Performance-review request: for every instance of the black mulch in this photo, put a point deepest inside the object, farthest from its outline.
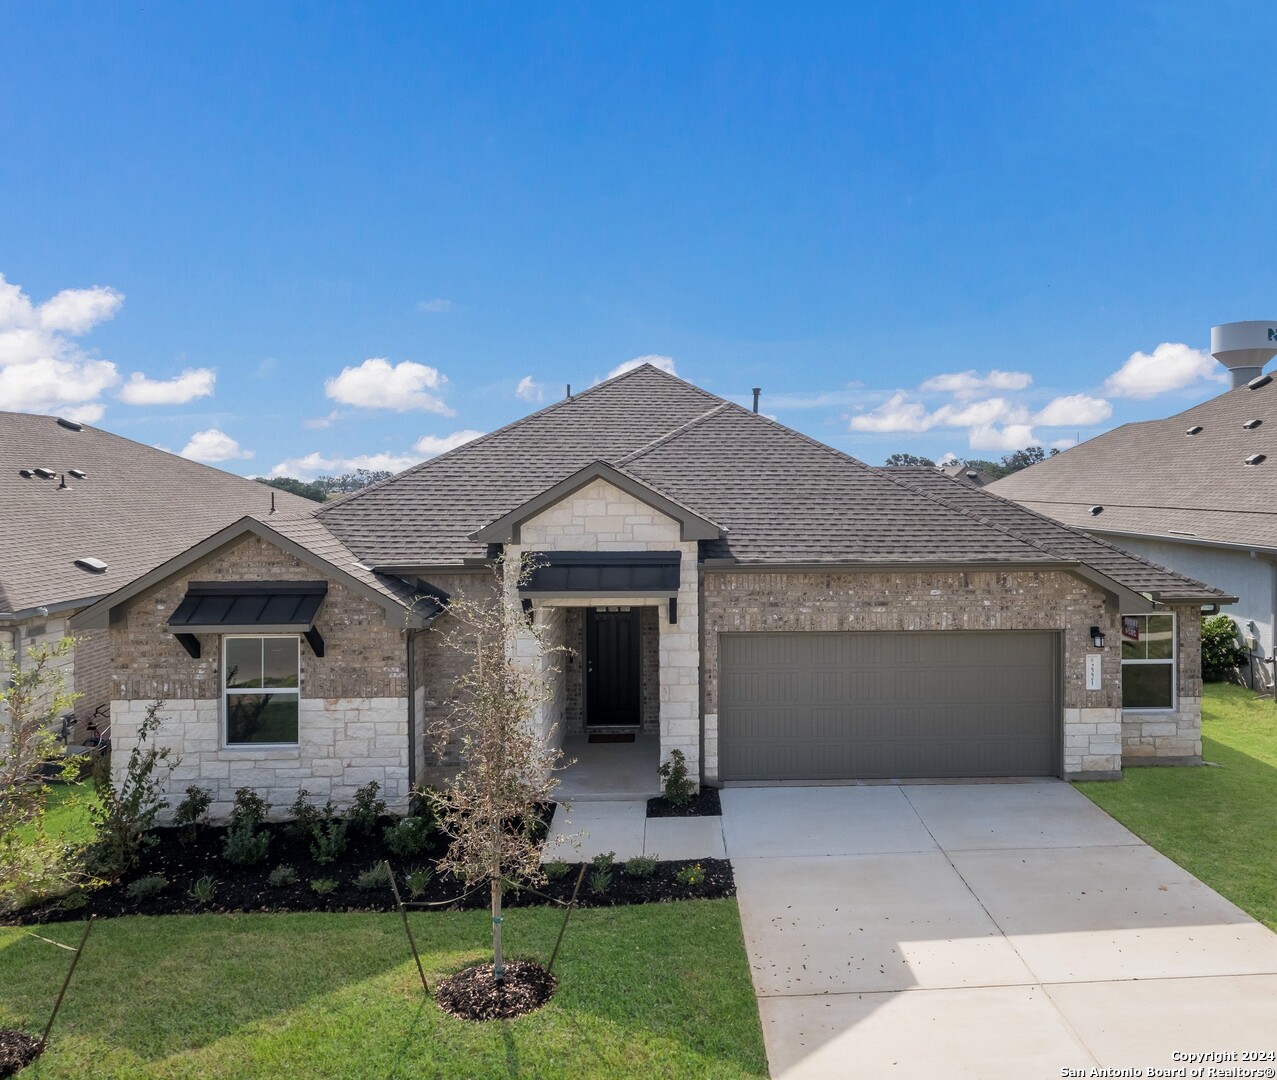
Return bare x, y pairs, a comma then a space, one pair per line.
474, 994
17, 1050
245, 888
706, 804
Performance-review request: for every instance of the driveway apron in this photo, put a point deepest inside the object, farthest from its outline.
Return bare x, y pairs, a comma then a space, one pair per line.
984, 930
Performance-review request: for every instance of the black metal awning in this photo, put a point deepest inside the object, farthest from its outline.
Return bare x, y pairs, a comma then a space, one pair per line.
248, 607
601, 573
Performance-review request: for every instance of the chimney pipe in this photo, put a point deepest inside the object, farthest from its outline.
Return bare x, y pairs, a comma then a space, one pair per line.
569, 390
757, 390
1244, 348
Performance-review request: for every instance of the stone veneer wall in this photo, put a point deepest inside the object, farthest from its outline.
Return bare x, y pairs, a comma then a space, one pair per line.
1173, 737
931, 600
353, 713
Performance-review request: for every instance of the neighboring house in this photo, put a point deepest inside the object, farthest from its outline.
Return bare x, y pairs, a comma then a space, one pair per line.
1196, 492
767, 605
83, 512
957, 470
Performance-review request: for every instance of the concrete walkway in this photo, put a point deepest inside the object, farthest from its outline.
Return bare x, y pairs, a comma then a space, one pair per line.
983, 930
624, 828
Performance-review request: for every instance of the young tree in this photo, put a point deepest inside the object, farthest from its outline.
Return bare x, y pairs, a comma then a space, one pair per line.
33, 698
489, 808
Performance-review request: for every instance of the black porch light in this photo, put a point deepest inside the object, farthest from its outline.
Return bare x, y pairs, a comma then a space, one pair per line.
1097, 637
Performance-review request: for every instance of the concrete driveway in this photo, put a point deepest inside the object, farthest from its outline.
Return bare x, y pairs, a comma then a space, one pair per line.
984, 930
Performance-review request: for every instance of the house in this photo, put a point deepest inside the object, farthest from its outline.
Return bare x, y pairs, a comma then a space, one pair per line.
957, 470
83, 512
1196, 492
726, 586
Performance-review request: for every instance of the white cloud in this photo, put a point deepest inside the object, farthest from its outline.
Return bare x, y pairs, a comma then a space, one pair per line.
437, 306
966, 384
529, 389
41, 368
191, 384
316, 464
897, 413
375, 384
900, 413
213, 445
432, 445
85, 414
947, 458
978, 413
322, 422
1075, 410
1171, 366
992, 437
665, 363
1063, 444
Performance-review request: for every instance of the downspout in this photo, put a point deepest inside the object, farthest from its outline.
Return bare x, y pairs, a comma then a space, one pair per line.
412, 706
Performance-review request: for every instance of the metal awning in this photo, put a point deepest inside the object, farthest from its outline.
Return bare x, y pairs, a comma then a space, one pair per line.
248, 607
601, 573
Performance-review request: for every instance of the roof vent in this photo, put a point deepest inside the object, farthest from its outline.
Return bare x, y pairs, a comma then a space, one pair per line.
70, 425
1194, 430
1096, 511
26, 474
94, 566
1250, 425
79, 474
1262, 380
45, 474
1255, 459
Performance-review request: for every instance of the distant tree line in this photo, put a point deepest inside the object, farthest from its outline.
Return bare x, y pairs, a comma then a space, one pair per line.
994, 470
323, 488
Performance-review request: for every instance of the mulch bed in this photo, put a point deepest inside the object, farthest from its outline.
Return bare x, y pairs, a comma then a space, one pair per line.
706, 804
474, 994
17, 1050
245, 888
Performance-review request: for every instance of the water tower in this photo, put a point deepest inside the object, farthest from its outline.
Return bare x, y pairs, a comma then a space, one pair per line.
1244, 348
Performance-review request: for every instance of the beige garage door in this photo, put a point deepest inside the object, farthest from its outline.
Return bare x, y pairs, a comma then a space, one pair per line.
817, 706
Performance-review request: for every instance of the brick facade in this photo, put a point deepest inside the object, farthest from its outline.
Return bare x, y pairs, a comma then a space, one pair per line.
1175, 737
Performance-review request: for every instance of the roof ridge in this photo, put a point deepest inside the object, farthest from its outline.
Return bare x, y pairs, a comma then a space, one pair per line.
672, 434
553, 406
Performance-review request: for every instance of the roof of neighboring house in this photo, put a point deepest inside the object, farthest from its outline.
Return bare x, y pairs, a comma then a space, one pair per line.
778, 496
1154, 479
135, 507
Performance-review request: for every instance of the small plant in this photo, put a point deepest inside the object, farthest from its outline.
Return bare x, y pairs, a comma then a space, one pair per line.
193, 810
305, 817
75, 900
376, 876
245, 845
641, 866
282, 877
679, 787
556, 869
367, 808
691, 875
323, 886
328, 837
603, 860
146, 887
1222, 653
422, 803
418, 879
407, 837
600, 881
249, 809
203, 891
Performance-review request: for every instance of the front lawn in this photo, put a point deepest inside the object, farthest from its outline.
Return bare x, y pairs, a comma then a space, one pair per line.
1220, 824
647, 990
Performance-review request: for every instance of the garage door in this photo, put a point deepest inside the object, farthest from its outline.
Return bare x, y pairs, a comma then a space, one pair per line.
816, 706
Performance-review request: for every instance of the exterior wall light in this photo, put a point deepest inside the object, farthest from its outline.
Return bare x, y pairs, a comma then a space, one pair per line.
1097, 637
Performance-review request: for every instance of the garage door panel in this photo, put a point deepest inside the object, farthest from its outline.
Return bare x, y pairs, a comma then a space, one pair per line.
827, 706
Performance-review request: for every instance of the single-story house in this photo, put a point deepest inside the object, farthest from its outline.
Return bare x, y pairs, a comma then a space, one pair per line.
1196, 492
769, 606
83, 512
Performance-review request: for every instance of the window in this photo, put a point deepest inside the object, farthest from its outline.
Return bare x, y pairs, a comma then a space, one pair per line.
261, 677
1148, 661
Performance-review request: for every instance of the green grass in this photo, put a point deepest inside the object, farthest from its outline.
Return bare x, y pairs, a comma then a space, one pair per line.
1219, 824
657, 990
67, 812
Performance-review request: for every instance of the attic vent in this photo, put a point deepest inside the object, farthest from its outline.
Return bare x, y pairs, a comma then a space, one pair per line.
45, 474
1096, 510
1255, 459
94, 566
1194, 430
1250, 425
79, 474
70, 425
1256, 383
26, 474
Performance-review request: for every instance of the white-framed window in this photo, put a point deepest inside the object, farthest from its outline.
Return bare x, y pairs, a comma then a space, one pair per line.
261, 684
1148, 662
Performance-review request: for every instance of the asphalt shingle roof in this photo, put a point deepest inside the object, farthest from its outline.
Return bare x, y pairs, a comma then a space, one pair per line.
136, 507
1154, 479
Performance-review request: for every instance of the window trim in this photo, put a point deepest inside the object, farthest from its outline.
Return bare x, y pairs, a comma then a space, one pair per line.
295, 691
1173, 661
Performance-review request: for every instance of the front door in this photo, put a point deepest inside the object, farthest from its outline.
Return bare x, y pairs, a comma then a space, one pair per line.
612, 661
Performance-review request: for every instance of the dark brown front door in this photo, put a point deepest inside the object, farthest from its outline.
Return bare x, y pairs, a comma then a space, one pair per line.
612, 668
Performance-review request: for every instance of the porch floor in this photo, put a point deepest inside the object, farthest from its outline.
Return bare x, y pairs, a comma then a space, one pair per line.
610, 771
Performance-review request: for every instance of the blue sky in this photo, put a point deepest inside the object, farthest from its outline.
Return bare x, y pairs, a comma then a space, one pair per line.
332, 235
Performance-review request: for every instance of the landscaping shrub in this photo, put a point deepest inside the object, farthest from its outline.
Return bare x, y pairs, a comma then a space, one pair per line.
604, 860
417, 879
691, 875
249, 809
323, 886
245, 845
146, 887
556, 869
367, 808
600, 881
407, 837
328, 837
282, 876
1222, 652
679, 788
376, 876
306, 818
193, 810
641, 866
203, 891
75, 900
